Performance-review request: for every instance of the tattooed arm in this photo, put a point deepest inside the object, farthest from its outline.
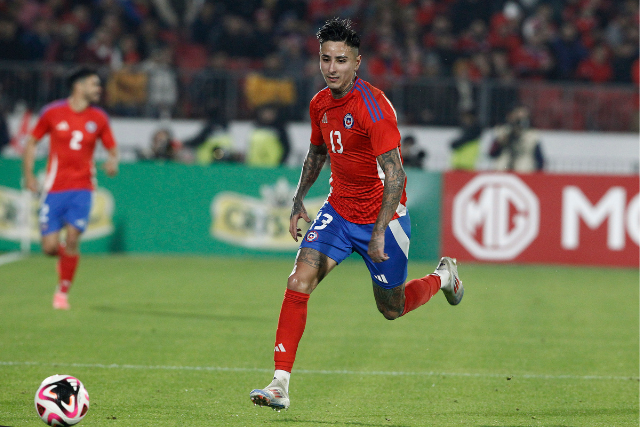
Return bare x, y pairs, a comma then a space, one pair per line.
393, 184
313, 163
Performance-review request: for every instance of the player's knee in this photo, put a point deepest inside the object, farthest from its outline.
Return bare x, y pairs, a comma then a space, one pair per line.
299, 284
50, 250
71, 247
389, 313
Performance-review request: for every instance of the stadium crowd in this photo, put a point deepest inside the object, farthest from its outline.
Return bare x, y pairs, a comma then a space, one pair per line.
584, 40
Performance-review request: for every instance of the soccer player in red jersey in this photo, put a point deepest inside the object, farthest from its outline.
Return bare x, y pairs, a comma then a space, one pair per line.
74, 125
355, 124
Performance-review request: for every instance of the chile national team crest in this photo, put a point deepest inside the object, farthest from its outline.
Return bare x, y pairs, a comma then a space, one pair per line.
311, 236
91, 126
348, 121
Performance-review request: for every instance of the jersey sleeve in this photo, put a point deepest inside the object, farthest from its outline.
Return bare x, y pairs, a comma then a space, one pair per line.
42, 126
316, 133
384, 133
106, 136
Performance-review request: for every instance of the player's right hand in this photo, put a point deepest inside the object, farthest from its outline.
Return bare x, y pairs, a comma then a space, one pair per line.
297, 212
31, 183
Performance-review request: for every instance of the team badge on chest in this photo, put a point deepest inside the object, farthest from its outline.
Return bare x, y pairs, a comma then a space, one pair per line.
91, 126
348, 121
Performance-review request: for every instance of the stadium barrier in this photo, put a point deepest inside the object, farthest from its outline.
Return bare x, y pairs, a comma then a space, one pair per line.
421, 101
220, 209
542, 218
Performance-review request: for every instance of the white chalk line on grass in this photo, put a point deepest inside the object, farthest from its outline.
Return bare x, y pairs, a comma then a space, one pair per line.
324, 372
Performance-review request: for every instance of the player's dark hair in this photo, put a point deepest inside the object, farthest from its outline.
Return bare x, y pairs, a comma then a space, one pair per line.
79, 74
339, 30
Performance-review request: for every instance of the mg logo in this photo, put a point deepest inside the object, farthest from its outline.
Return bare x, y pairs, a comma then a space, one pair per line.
496, 216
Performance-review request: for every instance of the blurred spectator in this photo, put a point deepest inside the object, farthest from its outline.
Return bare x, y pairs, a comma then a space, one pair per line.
625, 53
5, 137
11, 48
163, 146
268, 142
466, 147
217, 147
236, 39
208, 90
126, 52
149, 37
385, 67
80, 17
474, 38
126, 91
412, 155
568, 51
464, 12
67, 46
206, 25
177, 14
516, 146
163, 84
36, 41
635, 78
213, 143
263, 44
291, 46
270, 86
504, 28
540, 24
442, 42
532, 59
596, 68
101, 48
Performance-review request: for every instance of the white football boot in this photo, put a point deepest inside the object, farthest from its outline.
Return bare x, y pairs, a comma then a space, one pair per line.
274, 396
453, 289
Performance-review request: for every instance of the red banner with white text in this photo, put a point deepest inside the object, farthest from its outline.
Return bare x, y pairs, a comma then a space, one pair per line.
541, 218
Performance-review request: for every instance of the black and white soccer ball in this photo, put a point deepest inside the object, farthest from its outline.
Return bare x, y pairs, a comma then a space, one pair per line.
62, 400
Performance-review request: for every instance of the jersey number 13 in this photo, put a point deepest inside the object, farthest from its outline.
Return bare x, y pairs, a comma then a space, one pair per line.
338, 141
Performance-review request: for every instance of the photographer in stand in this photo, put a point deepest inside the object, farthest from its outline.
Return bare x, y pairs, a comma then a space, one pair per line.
516, 146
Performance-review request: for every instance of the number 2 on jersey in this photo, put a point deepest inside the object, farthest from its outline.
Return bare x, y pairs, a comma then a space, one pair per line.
338, 141
76, 138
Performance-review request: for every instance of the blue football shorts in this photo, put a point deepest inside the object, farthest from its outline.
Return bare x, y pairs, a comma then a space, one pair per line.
65, 207
338, 238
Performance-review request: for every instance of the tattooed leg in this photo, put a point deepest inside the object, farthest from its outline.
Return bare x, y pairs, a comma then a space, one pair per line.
390, 302
310, 268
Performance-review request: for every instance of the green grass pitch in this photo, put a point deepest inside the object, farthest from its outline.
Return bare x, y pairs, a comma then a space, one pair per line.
180, 341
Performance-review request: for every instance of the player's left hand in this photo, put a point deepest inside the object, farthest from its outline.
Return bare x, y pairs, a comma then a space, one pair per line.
111, 167
376, 249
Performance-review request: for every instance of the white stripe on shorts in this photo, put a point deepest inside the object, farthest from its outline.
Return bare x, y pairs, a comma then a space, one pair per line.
401, 236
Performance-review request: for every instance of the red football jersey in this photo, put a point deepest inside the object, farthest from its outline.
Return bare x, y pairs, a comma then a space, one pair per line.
73, 138
356, 129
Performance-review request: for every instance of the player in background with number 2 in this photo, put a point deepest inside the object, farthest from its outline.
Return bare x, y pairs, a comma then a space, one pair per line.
74, 124
356, 125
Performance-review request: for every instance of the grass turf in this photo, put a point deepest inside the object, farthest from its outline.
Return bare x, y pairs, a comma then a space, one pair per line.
173, 341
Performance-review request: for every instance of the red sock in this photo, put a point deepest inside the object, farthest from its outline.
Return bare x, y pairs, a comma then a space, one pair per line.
419, 291
293, 318
67, 265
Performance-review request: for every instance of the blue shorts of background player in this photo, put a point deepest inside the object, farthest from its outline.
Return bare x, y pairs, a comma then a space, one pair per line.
65, 207
338, 238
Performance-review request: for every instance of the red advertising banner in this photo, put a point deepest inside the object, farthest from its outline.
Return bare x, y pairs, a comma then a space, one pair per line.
541, 218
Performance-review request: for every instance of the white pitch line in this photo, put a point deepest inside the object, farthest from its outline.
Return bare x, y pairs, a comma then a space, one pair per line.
10, 257
325, 372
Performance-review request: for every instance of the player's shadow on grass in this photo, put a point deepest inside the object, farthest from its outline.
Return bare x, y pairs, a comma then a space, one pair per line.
156, 312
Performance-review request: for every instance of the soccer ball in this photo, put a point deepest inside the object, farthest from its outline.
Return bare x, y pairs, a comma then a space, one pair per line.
62, 400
